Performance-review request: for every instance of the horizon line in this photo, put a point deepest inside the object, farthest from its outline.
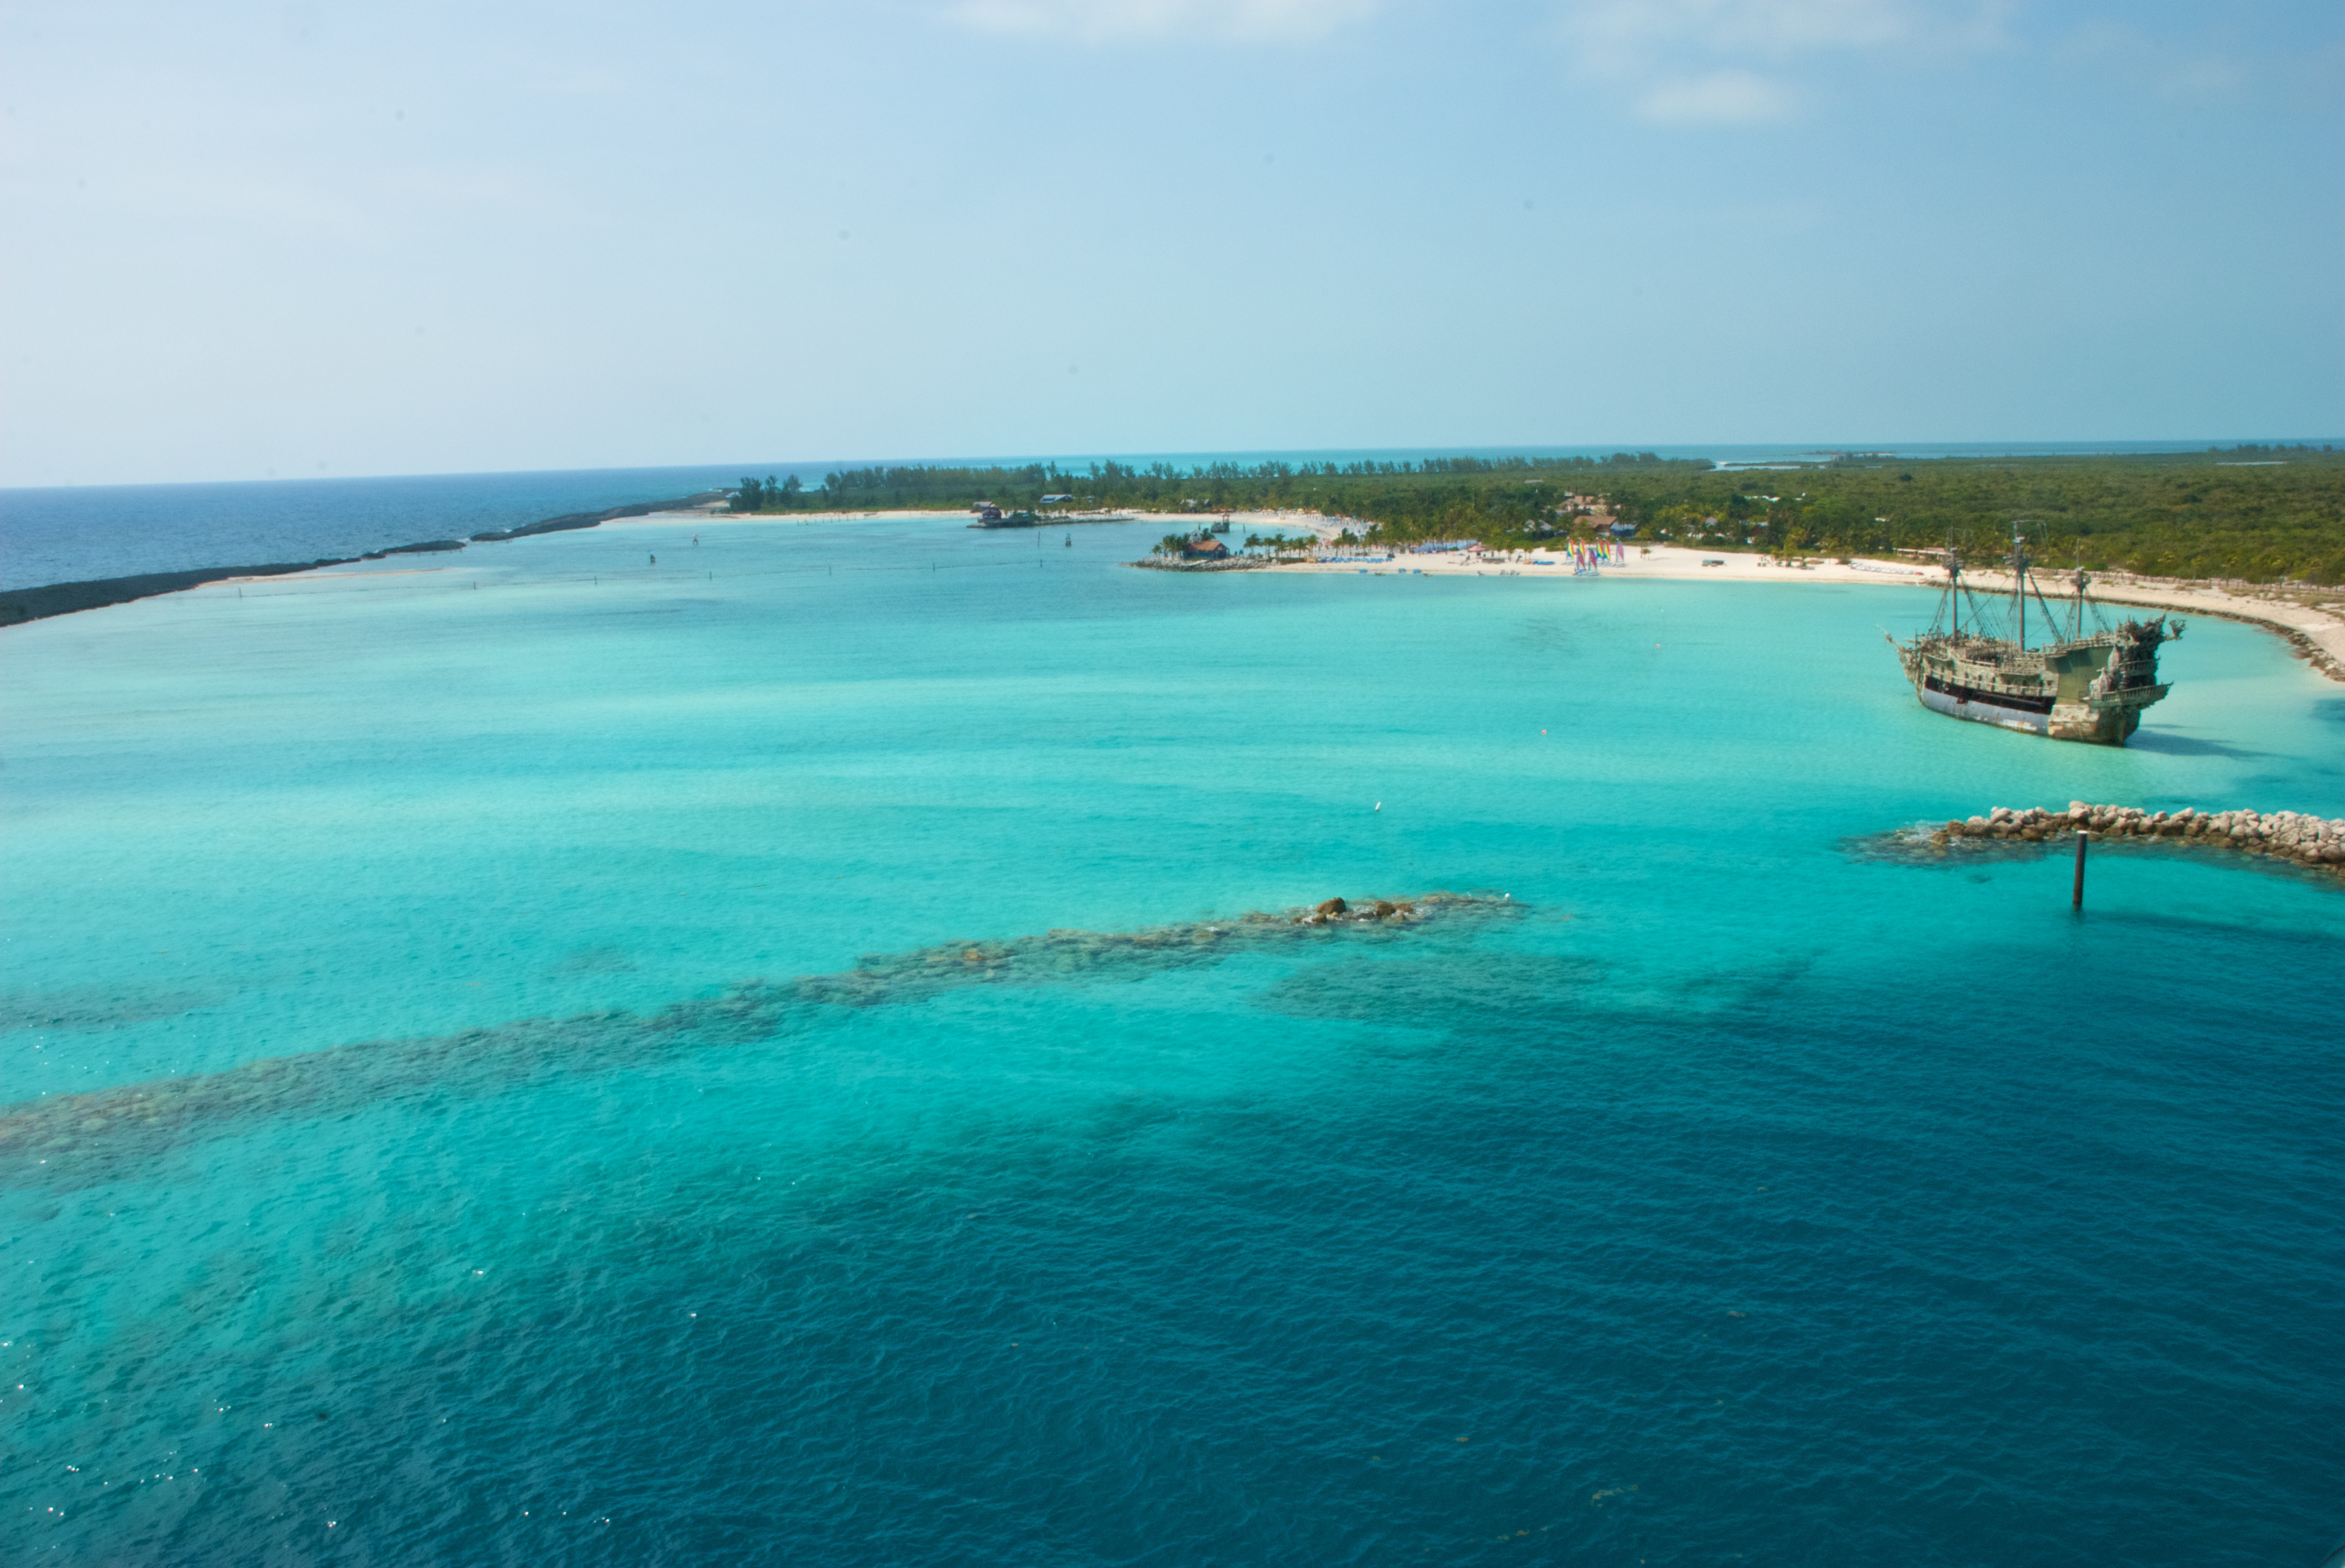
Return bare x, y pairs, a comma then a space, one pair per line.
2111, 446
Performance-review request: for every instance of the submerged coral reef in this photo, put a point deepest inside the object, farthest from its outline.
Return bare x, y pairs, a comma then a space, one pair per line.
82, 1135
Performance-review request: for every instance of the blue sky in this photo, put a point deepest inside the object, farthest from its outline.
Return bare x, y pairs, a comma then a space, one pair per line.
306, 237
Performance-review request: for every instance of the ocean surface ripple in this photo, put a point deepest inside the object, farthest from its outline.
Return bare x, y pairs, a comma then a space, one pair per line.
1717, 1187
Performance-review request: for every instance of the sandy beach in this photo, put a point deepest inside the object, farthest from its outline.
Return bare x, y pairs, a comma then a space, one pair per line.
2312, 620
2301, 614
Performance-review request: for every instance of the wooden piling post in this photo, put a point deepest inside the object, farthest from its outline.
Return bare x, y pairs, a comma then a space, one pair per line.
2076, 900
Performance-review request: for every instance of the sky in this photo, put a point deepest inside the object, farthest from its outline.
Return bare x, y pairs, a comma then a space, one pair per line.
307, 236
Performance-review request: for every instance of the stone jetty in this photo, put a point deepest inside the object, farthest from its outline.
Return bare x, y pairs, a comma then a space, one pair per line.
1228, 564
2291, 836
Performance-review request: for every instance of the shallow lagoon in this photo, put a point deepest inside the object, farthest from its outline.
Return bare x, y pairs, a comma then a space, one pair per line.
1745, 1193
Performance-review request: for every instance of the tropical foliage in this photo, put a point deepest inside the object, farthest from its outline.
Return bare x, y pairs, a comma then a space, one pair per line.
767, 495
2241, 512
2253, 512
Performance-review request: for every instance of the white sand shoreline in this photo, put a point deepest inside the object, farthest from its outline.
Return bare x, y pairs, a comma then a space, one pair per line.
2318, 634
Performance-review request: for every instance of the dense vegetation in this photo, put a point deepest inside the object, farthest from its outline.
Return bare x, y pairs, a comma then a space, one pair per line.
2259, 513
1481, 496
2244, 512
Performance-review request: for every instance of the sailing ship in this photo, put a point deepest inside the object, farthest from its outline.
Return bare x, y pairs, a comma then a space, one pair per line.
2087, 683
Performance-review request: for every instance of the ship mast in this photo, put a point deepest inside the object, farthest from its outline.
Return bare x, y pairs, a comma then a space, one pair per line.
2019, 582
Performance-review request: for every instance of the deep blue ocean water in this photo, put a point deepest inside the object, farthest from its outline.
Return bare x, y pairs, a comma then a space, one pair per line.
82, 533
1737, 1194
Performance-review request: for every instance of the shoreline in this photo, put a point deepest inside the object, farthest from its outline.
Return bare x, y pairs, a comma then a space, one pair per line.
20, 606
2314, 633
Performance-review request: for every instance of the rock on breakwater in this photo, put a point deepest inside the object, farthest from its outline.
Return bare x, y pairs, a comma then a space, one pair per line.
2299, 837
887, 977
1232, 563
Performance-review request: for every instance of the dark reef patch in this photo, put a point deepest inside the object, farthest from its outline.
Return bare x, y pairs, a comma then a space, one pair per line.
1497, 989
89, 1008
81, 1138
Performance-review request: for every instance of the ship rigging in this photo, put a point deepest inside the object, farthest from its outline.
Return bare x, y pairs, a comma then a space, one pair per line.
2089, 684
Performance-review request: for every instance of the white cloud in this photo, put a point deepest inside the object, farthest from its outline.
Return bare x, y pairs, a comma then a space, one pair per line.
1716, 98
1727, 62
1101, 21
1628, 33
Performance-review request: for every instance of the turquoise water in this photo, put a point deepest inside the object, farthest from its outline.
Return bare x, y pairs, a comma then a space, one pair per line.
76, 532
1739, 1191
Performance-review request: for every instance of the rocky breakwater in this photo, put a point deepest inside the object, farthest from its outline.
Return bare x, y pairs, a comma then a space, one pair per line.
2290, 836
1228, 564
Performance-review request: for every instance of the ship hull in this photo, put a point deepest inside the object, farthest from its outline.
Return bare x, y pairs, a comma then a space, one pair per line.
2106, 726
1979, 710
2090, 687
2068, 691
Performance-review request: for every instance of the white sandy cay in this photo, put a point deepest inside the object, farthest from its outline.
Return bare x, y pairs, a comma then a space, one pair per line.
2317, 616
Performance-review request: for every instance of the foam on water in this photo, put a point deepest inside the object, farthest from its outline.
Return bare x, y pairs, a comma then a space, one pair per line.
1746, 1193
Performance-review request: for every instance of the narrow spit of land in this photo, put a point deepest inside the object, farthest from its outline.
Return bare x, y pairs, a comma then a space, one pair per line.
18, 605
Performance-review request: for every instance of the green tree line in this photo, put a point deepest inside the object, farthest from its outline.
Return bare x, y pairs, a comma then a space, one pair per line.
2228, 513
1509, 492
2255, 512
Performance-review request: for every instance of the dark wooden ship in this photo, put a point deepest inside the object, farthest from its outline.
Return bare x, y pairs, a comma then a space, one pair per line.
2085, 679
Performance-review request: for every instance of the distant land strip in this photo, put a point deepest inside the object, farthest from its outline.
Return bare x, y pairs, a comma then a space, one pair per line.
22, 604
